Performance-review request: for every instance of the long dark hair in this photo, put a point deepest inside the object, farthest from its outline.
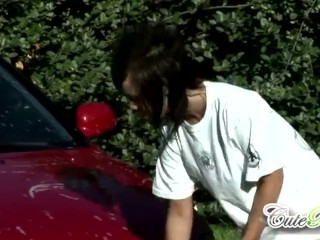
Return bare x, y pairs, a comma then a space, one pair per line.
155, 56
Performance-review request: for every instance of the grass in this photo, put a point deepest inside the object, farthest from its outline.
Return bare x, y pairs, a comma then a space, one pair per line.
223, 232
222, 226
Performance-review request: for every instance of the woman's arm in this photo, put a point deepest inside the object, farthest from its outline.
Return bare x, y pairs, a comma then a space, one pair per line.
179, 219
268, 191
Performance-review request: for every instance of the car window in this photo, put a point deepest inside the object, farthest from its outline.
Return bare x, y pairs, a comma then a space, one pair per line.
23, 119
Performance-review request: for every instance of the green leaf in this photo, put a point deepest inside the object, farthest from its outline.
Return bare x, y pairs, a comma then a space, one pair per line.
219, 16
265, 57
207, 54
225, 63
264, 22
293, 16
258, 79
217, 68
164, 11
212, 22
199, 59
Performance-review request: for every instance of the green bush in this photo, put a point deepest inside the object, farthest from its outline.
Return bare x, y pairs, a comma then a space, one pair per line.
270, 46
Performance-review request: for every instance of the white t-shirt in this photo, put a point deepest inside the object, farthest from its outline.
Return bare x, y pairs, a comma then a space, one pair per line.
239, 139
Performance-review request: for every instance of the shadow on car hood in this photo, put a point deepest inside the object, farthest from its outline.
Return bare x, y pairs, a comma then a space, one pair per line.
77, 194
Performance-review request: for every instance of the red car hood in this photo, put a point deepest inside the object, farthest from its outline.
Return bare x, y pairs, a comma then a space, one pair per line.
79, 194
76, 194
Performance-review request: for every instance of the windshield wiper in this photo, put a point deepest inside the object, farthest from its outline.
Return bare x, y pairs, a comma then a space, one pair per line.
27, 146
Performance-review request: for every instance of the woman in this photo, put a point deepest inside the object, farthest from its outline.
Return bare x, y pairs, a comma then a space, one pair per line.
222, 136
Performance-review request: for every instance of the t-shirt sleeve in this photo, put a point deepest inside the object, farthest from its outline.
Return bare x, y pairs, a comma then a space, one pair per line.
262, 134
172, 180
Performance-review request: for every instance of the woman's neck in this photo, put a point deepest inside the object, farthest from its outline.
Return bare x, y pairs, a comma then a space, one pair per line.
196, 104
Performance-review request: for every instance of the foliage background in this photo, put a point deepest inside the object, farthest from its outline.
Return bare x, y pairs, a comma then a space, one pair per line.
270, 46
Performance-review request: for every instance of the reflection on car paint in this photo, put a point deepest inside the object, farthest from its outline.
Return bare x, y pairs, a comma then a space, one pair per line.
48, 214
69, 197
44, 187
20, 230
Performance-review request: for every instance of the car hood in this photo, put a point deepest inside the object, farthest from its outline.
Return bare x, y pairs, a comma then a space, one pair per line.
75, 194
79, 194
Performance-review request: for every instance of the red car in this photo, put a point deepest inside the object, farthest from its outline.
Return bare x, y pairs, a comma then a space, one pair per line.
56, 185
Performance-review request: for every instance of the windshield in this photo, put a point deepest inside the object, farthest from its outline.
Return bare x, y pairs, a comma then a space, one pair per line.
24, 121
